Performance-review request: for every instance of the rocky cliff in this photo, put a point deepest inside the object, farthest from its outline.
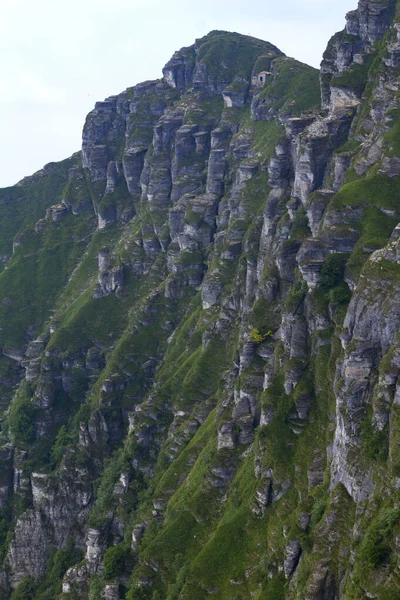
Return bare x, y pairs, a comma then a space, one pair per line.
199, 334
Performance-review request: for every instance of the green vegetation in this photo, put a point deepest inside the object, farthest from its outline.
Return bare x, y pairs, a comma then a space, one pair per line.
332, 271
266, 136
375, 546
300, 228
293, 89
375, 441
26, 590
22, 206
22, 414
375, 198
213, 450
148, 108
259, 337
61, 442
354, 78
392, 137
377, 190
295, 296
350, 147
36, 273
114, 560
263, 63
64, 558
230, 54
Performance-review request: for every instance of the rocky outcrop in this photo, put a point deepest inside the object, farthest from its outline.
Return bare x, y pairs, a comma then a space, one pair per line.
211, 407
292, 557
22, 559
110, 279
365, 26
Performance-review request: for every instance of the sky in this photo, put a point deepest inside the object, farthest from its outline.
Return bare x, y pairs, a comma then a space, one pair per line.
58, 58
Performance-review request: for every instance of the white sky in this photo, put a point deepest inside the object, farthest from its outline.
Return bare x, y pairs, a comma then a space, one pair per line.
59, 58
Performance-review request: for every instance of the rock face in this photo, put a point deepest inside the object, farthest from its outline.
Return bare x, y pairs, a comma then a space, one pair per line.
199, 333
351, 48
29, 527
110, 279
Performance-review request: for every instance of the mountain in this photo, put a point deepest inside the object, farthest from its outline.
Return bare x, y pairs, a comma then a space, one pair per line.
199, 337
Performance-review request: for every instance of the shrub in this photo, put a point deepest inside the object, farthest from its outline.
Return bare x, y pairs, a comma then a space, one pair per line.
274, 589
114, 560
295, 296
340, 294
62, 440
96, 587
26, 590
259, 337
317, 511
4, 525
300, 228
332, 271
375, 442
64, 559
137, 592
21, 421
375, 546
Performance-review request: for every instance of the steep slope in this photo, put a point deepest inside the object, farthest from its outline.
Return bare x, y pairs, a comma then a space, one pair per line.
200, 312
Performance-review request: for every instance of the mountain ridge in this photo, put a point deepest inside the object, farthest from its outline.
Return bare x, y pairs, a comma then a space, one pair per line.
199, 334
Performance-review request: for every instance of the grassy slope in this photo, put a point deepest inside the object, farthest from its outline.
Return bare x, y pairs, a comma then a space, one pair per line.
210, 540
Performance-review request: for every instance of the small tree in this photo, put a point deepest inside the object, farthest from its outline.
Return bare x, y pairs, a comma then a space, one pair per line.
114, 560
258, 337
26, 590
21, 421
332, 271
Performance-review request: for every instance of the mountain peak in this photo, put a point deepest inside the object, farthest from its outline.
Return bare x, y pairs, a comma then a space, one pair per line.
214, 60
200, 319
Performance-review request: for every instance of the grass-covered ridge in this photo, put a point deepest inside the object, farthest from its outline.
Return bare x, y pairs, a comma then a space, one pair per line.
293, 87
231, 54
187, 369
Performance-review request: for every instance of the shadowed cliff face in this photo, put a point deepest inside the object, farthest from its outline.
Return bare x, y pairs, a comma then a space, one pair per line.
199, 333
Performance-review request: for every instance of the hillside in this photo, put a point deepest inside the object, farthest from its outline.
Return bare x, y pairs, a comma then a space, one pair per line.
199, 333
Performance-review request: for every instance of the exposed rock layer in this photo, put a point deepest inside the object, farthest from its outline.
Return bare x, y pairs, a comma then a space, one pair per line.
212, 405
